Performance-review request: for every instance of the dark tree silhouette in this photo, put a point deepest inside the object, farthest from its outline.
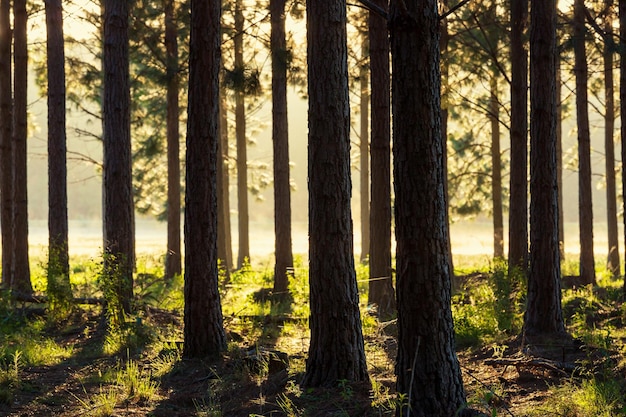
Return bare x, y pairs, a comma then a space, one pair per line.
543, 307
336, 351
204, 331
119, 240
425, 326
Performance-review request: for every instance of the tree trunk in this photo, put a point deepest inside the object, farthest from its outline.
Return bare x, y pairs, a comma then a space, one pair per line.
118, 197
204, 332
496, 166
543, 306
21, 271
173, 257
242, 157
585, 209
58, 233
622, 111
364, 147
518, 203
427, 368
336, 350
6, 142
559, 156
381, 292
224, 245
613, 262
280, 141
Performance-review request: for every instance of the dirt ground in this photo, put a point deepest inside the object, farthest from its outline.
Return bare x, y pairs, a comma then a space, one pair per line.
511, 378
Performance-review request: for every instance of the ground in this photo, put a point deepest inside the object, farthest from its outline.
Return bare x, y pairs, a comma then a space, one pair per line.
255, 381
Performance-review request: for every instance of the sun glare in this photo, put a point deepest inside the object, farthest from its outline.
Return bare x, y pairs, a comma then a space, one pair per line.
564, 5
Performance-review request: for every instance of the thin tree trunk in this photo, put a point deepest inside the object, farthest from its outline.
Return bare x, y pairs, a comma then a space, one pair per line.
585, 208
58, 229
364, 147
559, 156
224, 245
496, 166
622, 111
242, 156
21, 271
280, 141
6, 142
173, 259
518, 205
381, 291
613, 262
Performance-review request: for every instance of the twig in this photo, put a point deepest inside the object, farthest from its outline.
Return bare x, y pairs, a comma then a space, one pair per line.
454, 9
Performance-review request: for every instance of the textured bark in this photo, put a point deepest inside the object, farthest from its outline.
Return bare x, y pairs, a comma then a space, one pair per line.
585, 208
613, 262
381, 291
427, 367
496, 167
21, 267
518, 198
336, 351
204, 332
622, 110
58, 255
6, 133
280, 141
224, 245
559, 156
364, 152
242, 154
118, 198
543, 307
173, 257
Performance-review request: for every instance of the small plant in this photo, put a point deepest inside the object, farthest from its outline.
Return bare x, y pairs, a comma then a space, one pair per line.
137, 385
287, 406
58, 289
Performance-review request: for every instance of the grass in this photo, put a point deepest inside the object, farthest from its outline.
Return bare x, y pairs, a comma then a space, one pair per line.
139, 366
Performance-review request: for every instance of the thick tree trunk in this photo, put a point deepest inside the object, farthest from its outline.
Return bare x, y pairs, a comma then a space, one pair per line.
496, 167
613, 262
21, 271
336, 351
518, 203
118, 197
543, 307
280, 141
381, 292
204, 331
427, 368
58, 230
242, 154
6, 142
173, 259
585, 208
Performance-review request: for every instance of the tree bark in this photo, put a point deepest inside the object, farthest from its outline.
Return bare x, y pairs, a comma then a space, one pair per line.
336, 350
204, 332
622, 111
543, 307
364, 150
242, 155
613, 262
427, 366
518, 203
496, 167
280, 140
118, 197
585, 208
58, 229
21, 266
173, 260
6, 143
381, 291
559, 156
224, 245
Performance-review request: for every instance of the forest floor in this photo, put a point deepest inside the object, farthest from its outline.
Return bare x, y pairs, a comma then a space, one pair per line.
260, 372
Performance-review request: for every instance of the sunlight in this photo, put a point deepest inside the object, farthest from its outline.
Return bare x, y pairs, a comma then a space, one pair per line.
565, 5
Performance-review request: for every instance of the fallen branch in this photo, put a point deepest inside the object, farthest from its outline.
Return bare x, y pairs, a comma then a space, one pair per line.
42, 299
563, 367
